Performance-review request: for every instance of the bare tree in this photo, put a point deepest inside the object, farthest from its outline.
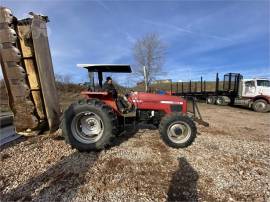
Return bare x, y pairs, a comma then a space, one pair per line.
149, 54
66, 79
63, 82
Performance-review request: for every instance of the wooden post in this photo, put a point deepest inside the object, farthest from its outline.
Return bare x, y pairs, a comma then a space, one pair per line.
182, 87
217, 83
45, 71
230, 80
31, 69
201, 84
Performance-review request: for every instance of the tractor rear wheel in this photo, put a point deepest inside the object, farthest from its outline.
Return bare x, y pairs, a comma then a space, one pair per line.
177, 131
89, 125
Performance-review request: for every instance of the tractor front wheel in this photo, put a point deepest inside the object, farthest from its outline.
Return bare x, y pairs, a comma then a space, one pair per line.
177, 131
89, 125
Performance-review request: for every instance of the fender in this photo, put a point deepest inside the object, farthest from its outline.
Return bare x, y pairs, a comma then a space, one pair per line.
264, 97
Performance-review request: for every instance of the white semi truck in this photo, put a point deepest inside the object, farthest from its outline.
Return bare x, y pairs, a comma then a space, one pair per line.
253, 93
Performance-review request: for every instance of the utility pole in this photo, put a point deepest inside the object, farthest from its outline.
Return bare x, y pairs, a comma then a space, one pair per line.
145, 78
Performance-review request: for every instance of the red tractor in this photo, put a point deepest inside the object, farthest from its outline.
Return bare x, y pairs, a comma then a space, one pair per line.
93, 122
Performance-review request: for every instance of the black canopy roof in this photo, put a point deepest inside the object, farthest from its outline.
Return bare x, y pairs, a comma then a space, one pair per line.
118, 68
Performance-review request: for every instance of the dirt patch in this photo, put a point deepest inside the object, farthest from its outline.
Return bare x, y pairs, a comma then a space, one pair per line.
228, 161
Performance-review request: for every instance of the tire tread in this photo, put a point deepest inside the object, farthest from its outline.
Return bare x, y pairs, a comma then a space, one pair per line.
101, 106
165, 122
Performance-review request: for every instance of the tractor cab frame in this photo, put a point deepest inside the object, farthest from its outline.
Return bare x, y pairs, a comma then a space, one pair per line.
100, 69
99, 93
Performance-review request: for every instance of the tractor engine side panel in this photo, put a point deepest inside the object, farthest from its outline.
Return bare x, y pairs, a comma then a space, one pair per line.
166, 103
150, 116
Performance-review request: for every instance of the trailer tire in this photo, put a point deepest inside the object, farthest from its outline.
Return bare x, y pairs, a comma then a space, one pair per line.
221, 101
260, 106
85, 118
177, 131
210, 100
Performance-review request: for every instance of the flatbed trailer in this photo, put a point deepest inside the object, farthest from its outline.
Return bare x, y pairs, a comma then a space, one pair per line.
253, 93
230, 87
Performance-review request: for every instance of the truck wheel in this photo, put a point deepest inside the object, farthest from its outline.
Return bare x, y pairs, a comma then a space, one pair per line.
210, 100
221, 101
260, 106
89, 125
177, 131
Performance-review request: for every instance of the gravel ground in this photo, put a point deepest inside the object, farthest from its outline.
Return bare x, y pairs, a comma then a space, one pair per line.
229, 161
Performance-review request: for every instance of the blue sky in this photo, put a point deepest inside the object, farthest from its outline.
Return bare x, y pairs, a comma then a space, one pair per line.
202, 37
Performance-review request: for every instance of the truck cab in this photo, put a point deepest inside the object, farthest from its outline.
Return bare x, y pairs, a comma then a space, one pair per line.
255, 87
255, 93
252, 93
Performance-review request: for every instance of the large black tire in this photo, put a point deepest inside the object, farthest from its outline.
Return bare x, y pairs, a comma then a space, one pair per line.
260, 106
84, 109
221, 101
211, 100
176, 125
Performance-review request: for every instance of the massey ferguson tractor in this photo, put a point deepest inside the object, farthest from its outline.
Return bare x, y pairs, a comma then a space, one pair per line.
93, 122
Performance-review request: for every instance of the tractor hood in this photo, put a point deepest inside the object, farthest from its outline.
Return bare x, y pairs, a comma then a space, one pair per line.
151, 101
163, 99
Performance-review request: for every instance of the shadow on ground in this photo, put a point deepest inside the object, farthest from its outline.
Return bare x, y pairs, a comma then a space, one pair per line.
59, 182
183, 185
129, 132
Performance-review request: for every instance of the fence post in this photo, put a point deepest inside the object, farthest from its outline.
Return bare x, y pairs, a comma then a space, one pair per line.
201, 84
182, 86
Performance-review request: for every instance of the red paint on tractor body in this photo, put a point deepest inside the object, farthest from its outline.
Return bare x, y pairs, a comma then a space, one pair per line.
103, 96
142, 101
150, 101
